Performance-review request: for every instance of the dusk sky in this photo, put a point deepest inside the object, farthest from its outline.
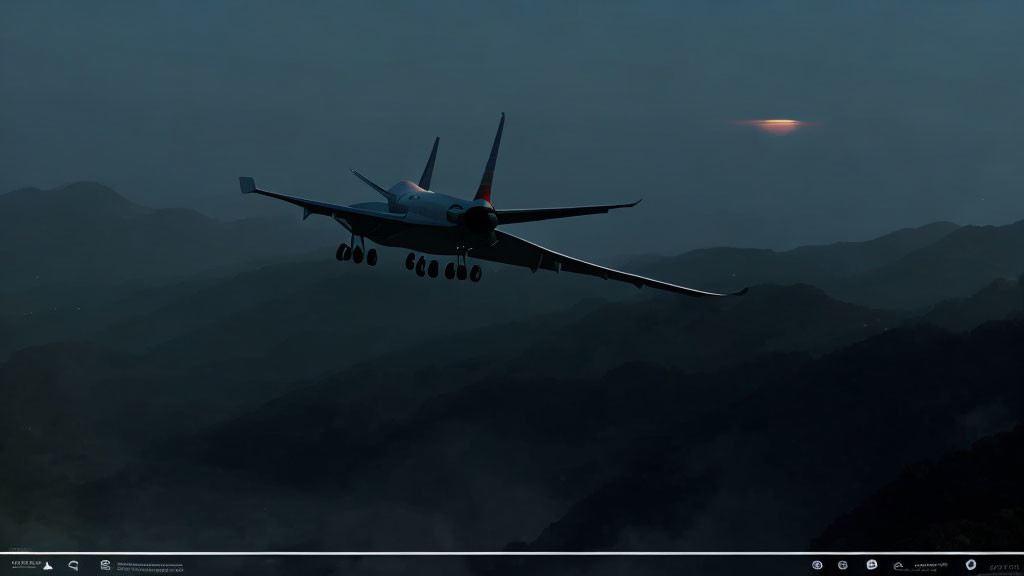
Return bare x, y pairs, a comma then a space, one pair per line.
914, 109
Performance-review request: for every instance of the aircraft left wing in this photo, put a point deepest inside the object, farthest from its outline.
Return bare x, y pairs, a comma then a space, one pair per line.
513, 250
357, 216
535, 214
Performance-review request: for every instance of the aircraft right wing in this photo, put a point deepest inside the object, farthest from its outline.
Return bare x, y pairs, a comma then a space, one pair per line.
513, 250
535, 214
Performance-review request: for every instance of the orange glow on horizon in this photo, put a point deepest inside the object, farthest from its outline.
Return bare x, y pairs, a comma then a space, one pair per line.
777, 126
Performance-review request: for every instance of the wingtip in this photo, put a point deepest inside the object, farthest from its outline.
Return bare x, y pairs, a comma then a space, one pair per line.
741, 292
246, 184
637, 202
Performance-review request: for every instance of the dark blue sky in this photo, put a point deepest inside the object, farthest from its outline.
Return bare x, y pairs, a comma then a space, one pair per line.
917, 105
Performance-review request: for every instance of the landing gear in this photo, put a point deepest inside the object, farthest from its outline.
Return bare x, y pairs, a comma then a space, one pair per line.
432, 268
460, 265
343, 253
356, 253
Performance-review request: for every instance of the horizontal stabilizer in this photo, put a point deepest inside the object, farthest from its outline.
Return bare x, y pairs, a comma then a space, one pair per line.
392, 200
370, 183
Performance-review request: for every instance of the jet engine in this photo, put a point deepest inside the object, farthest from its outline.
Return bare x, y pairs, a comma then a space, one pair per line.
478, 218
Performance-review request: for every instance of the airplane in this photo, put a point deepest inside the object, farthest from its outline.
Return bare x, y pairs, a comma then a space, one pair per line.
427, 222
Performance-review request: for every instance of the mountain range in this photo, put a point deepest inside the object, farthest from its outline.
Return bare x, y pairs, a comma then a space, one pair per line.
234, 376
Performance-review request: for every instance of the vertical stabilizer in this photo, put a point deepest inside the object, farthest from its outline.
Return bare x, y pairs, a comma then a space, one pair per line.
484, 191
428, 170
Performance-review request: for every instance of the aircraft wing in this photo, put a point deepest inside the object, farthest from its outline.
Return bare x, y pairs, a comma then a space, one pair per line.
513, 250
358, 216
534, 214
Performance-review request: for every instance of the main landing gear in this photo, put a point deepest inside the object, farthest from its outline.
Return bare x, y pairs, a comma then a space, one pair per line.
452, 270
423, 267
358, 254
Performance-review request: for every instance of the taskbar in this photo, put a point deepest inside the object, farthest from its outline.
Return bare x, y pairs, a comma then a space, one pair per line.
30, 563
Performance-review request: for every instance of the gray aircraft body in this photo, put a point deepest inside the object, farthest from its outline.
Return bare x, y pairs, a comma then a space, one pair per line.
427, 222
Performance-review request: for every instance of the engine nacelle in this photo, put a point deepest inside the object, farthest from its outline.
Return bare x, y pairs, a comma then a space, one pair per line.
480, 219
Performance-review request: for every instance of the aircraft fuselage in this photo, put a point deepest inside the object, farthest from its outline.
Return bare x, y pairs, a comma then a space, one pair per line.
446, 225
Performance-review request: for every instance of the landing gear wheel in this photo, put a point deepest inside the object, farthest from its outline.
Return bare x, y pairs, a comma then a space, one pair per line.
357, 254
460, 272
371, 256
475, 274
343, 253
432, 269
421, 266
410, 261
449, 270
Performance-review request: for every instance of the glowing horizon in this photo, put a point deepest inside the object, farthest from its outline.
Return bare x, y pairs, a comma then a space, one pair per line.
778, 126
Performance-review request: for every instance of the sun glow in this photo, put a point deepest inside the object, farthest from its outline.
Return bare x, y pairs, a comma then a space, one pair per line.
777, 126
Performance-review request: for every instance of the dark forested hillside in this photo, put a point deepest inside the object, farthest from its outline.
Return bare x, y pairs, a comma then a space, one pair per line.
967, 500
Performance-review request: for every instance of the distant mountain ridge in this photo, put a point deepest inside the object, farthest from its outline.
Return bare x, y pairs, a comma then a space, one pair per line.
85, 235
815, 265
957, 265
908, 269
79, 199
82, 260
